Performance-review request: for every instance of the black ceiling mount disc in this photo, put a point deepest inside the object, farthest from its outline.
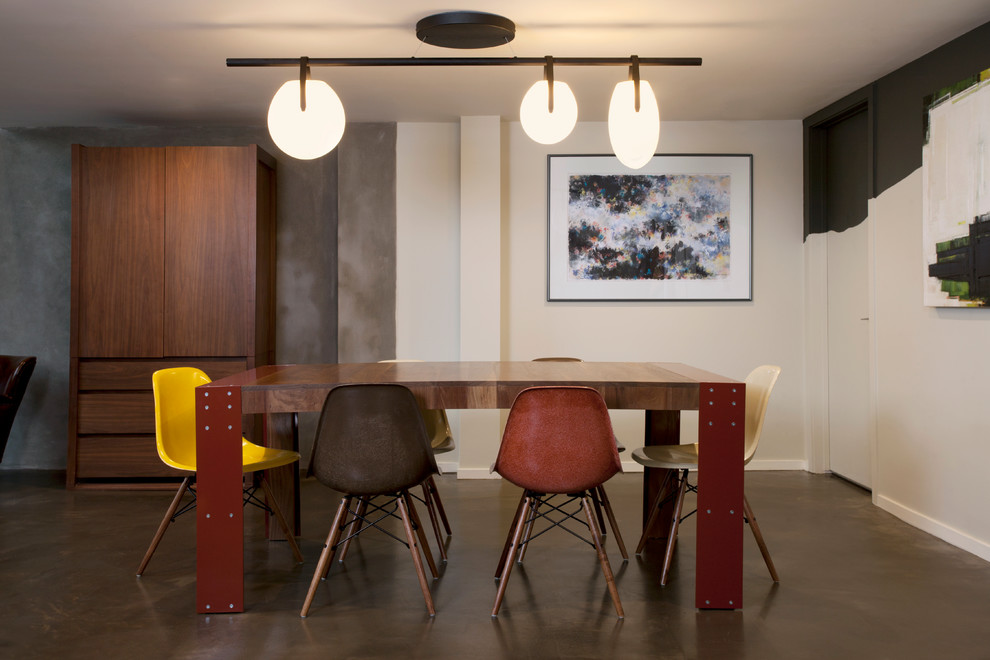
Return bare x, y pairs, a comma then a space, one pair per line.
465, 29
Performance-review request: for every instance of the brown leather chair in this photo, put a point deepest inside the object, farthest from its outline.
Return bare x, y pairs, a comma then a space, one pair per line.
15, 372
370, 442
557, 441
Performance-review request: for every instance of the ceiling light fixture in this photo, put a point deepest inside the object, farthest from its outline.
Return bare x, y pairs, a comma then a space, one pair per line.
549, 110
313, 126
306, 118
634, 120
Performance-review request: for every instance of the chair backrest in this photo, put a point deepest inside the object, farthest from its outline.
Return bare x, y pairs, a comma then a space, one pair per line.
759, 384
15, 372
436, 421
558, 440
371, 439
175, 414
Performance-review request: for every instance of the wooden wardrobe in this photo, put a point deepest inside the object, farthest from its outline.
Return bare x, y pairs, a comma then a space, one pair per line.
173, 264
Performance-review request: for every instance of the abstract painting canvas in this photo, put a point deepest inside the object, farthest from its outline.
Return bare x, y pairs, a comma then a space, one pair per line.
680, 228
956, 195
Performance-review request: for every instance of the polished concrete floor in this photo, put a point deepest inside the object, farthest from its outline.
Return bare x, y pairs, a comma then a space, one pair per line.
855, 583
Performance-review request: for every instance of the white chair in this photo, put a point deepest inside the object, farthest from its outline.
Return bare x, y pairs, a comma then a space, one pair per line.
678, 459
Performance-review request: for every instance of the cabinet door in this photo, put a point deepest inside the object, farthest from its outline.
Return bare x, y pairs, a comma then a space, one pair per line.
118, 252
210, 204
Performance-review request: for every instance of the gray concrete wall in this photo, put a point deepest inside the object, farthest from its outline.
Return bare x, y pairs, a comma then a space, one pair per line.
366, 243
35, 224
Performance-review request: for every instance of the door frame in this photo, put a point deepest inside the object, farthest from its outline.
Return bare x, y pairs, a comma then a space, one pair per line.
816, 276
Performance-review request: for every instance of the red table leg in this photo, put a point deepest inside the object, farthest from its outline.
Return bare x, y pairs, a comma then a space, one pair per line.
721, 434
219, 509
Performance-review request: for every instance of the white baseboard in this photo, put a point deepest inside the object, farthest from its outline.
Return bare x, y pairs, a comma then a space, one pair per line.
756, 465
475, 473
448, 467
939, 530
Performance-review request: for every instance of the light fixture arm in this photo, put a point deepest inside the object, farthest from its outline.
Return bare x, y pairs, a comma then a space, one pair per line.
303, 77
548, 74
634, 76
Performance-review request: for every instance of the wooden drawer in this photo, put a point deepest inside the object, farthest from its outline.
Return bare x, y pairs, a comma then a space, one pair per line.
136, 374
116, 412
102, 457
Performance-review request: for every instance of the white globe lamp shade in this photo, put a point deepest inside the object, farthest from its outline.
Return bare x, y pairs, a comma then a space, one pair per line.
311, 133
634, 135
540, 124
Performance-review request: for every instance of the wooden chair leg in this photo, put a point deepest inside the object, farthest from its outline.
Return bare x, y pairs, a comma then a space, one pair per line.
411, 508
603, 558
508, 537
404, 502
515, 535
166, 521
356, 524
751, 519
273, 505
326, 557
534, 510
603, 498
674, 524
432, 511
432, 484
598, 511
654, 512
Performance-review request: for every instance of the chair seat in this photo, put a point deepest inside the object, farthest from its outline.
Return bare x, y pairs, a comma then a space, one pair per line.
254, 458
444, 447
670, 457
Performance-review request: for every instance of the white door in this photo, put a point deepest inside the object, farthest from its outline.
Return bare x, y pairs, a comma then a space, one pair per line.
848, 355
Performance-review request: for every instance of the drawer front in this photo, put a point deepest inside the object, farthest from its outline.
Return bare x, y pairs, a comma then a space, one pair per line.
136, 374
116, 412
102, 457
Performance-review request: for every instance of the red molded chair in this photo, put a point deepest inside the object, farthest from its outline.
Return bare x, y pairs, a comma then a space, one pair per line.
557, 441
599, 498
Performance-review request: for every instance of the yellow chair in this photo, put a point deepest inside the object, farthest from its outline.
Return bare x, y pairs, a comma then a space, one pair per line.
175, 434
678, 459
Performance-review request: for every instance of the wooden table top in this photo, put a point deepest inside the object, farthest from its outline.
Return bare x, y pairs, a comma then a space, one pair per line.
471, 385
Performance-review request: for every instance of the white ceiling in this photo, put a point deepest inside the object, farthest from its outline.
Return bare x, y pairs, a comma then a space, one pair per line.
162, 62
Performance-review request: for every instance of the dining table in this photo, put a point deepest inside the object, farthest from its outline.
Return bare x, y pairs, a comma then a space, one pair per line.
280, 392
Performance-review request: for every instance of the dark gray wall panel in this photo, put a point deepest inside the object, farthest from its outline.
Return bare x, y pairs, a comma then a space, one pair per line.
366, 243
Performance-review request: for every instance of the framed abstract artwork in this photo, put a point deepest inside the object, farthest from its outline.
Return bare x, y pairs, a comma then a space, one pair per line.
679, 228
955, 170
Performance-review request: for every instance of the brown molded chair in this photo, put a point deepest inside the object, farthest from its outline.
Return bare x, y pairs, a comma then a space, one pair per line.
15, 372
678, 459
370, 442
599, 497
557, 441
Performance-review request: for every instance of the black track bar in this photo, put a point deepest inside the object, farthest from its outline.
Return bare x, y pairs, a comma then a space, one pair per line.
463, 61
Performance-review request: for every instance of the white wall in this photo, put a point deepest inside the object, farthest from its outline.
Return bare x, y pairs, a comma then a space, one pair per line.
933, 438
725, 337
427, 287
